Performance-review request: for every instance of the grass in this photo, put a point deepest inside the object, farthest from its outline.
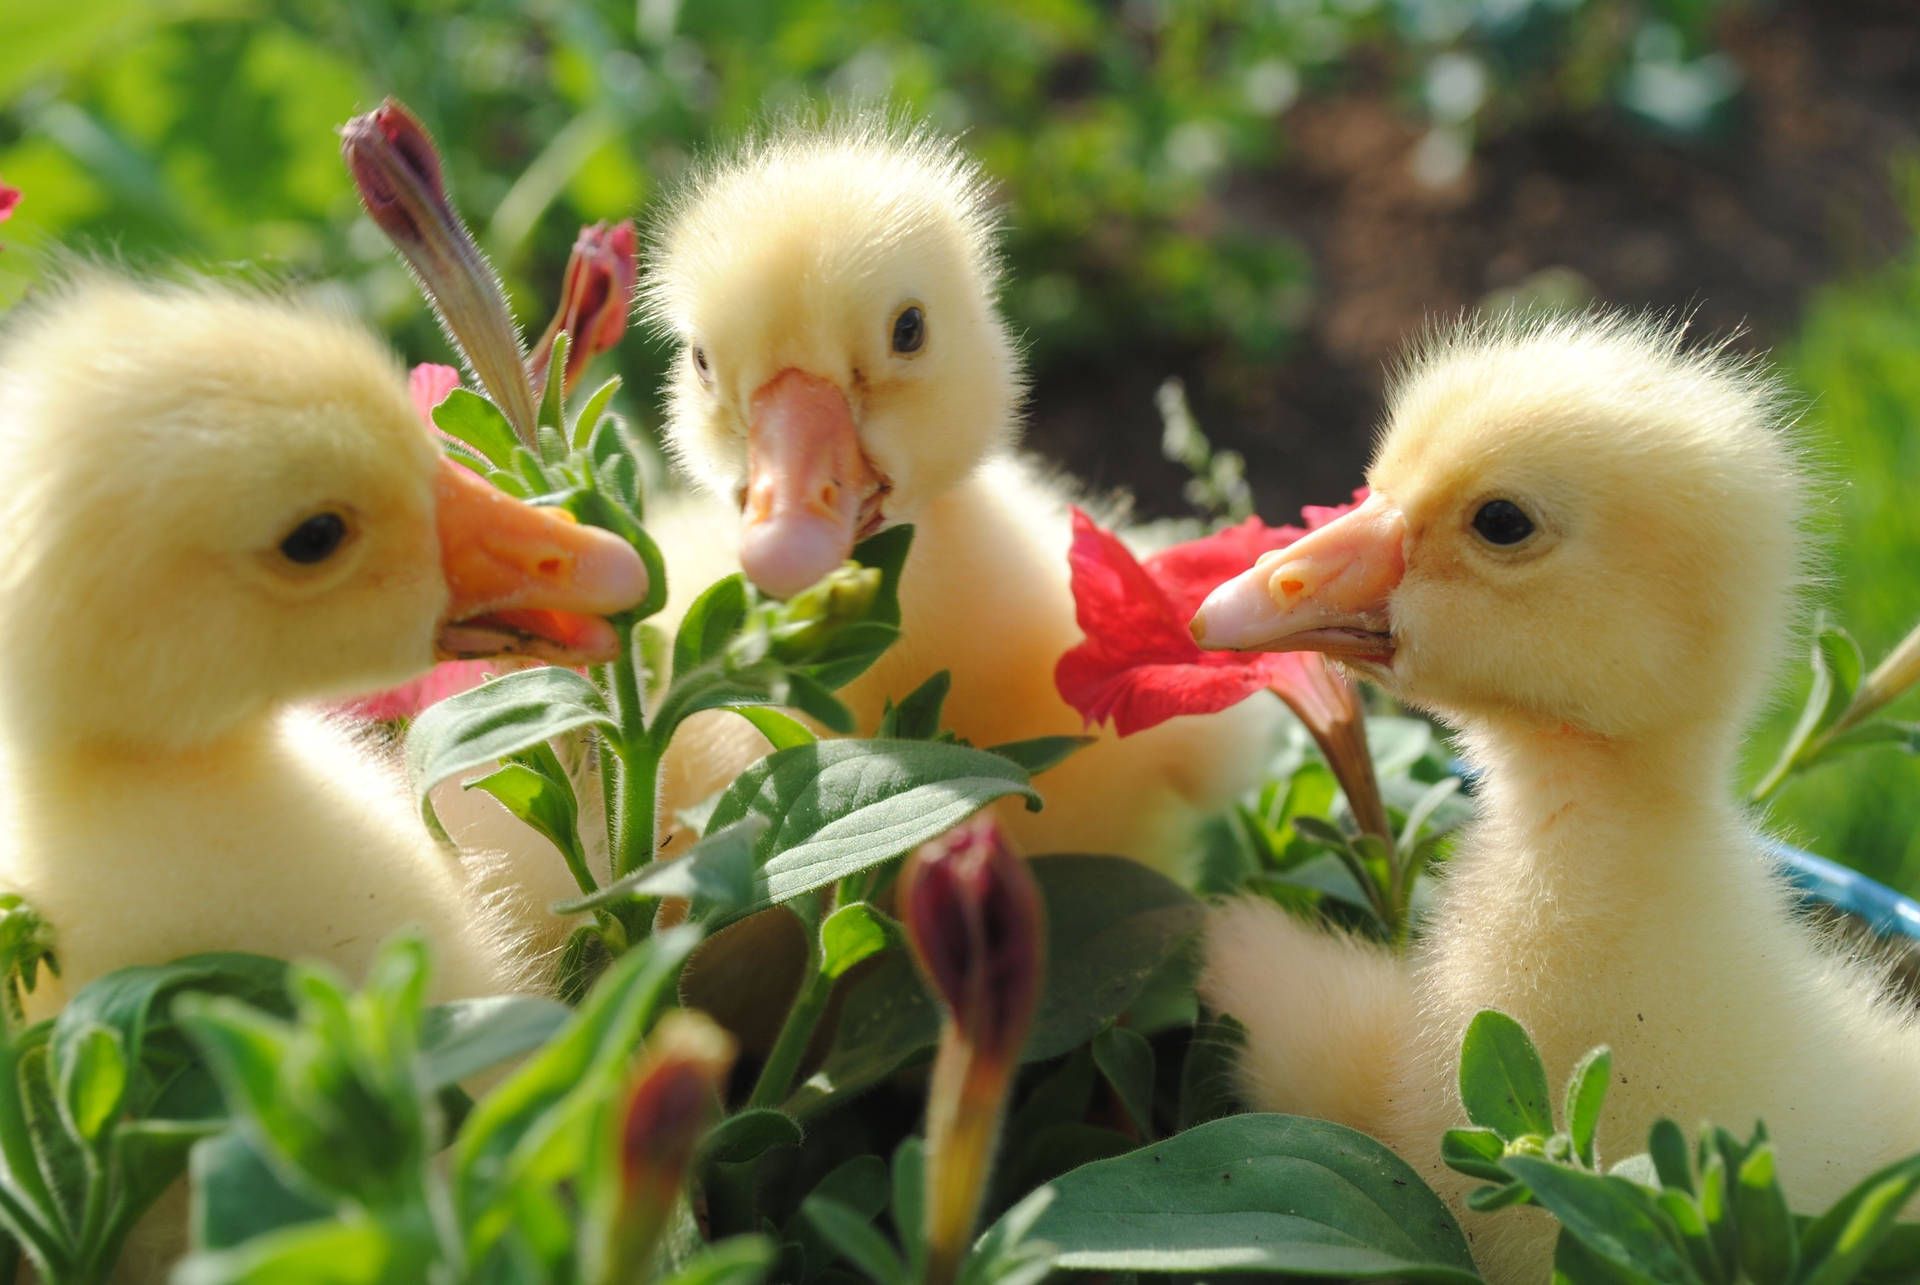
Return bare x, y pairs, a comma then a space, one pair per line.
1857, 358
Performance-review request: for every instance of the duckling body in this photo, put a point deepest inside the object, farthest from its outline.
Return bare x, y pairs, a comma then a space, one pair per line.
1600, 668
843, 365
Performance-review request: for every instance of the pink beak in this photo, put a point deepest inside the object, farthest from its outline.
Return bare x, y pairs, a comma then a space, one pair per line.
810, 487
1328, 591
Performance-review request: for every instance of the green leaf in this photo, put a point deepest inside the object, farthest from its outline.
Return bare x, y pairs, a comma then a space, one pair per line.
535, 788
603, 1035
1273, 1194
909, 1204
1207, 1074
466, 1036
782, 731
1474, 1152
1668, 1147
1618, 1221
1840, 1242
1423, 809
591, 410
858, 1241
1039, 753
838, 807
853, 651
1112, 924
468, 417
1768, 1246
1502, 1082
483, 725
1126, 1060
93, 1082
853, 933
1586, 1092
917, 716
737, 1260
352, 1251
716, 877
710, 623
238, 1194
745, 1137
553, 399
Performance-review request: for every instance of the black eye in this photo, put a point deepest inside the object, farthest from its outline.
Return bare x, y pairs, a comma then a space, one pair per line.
909, 331
700, 366
315, 539
1502, 522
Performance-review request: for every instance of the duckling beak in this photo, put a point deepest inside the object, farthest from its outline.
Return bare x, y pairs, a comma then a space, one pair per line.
526, 580
1328, 591
811, 491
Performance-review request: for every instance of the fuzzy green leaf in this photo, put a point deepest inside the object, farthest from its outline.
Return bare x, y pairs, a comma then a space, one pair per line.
1126, 1060
468, 417
853, 933
1273, 1194
1586, 1092
479, 727
1503, 1084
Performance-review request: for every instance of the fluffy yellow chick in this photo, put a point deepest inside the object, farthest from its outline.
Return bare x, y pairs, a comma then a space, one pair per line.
217, 505
842, 366
1582, 551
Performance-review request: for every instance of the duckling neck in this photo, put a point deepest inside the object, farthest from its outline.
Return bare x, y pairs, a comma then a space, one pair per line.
1577, 813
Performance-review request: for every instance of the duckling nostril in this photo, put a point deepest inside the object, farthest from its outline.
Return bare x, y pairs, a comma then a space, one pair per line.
1291, 587
830, 496
551, 566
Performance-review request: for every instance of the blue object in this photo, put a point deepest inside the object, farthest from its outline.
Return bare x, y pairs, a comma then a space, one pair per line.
1881, 908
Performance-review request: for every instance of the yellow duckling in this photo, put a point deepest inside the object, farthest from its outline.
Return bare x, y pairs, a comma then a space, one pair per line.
843, 365
1582, 551
218, 505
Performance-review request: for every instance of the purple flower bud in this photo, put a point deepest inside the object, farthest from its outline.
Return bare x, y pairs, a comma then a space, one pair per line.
595, 300
972, 913
397, 171
973, 916
672, 1098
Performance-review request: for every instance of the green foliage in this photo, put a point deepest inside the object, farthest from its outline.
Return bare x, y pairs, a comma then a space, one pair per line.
1266, 1194
1297, 843
1713, 1213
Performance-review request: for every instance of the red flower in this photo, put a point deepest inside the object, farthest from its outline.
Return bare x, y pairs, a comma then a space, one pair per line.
1139, 665
9, 197
429, 384
594, 301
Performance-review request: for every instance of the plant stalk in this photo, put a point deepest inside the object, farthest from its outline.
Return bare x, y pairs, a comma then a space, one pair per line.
796, 1033
964, 1103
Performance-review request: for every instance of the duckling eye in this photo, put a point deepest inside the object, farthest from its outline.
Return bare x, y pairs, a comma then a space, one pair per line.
700, 366
1502, 522
909, 331
315, 539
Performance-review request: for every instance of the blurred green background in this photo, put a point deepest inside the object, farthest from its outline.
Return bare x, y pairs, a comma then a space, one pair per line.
1262, 197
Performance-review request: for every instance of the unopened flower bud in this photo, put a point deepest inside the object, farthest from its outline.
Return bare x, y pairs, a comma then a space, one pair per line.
594, 301
672, 1098
806, 622
397, 171
972, 914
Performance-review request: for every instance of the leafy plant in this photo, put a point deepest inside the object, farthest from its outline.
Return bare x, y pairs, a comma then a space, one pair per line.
1843, 708
1710, 1213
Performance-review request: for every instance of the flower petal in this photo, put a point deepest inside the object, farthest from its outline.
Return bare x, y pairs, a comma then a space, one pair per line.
9, 198
429, 385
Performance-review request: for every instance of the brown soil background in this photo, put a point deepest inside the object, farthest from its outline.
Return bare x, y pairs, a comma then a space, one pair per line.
1738, 230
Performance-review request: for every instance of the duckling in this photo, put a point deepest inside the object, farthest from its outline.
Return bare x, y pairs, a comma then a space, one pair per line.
220, 506
1582, 551
842, 365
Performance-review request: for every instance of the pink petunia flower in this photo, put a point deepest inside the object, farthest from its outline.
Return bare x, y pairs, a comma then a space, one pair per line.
1139, 665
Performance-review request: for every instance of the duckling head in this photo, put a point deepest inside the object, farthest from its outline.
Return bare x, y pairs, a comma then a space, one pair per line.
1576, 524
841, 360
217, 502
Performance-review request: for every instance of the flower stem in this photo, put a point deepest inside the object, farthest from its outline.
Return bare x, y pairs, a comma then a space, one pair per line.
796, 1033
634, 819
964, 1103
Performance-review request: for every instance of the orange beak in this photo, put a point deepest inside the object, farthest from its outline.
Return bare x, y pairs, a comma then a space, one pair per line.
1328, 591
811, 491
525, 580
